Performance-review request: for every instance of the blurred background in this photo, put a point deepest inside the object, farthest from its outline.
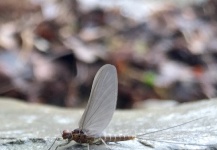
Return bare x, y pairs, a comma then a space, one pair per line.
164, 52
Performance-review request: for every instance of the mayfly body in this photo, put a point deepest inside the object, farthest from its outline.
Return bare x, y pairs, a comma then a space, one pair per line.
99, 112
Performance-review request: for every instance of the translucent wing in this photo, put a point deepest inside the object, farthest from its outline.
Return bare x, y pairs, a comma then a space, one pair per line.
102, 102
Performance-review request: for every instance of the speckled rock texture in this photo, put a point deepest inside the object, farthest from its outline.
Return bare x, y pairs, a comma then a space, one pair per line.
35, 127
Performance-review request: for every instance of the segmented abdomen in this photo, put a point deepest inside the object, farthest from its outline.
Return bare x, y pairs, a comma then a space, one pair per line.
82, 138
117, 138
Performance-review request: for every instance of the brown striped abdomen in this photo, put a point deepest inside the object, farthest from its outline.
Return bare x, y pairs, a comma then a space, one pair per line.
117, 138
82, 138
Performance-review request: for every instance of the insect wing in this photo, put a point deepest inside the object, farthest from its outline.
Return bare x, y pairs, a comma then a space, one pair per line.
102, 102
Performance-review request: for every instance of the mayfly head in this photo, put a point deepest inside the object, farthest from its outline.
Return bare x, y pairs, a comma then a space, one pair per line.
67, 134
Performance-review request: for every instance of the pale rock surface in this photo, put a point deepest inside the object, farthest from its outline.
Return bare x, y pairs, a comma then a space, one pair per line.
34, 127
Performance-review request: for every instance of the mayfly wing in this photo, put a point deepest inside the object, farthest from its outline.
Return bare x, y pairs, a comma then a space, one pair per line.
102, 102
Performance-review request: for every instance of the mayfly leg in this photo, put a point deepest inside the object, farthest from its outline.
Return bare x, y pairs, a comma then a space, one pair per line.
53, 143
105, 143
61, 145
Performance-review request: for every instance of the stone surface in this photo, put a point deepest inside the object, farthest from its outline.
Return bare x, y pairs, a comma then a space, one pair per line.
31, 126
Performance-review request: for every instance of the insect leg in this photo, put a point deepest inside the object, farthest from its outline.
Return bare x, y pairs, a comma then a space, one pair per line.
61, 145
105, 143
52, 144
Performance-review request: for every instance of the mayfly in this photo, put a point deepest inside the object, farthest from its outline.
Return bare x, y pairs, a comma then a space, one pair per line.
99, 112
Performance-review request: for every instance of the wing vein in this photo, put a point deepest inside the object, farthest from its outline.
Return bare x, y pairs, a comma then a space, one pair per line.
102, 102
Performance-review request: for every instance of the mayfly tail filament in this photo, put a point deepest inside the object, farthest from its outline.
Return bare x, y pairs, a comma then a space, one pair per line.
140, 135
